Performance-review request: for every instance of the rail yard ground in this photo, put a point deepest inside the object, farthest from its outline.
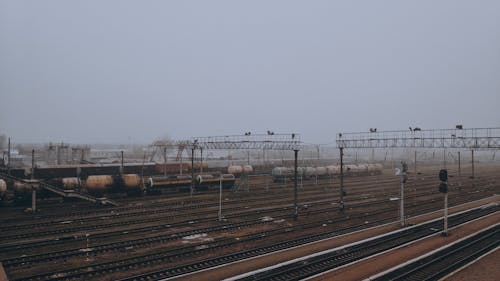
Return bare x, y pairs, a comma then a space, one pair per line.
175, 235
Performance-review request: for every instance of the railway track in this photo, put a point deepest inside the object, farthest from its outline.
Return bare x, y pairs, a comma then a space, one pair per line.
447, 260
186, 203
317, 264
154, 208
178, 235
115, 215
78, 236
175, 254
15, 247
195, 250
251, 203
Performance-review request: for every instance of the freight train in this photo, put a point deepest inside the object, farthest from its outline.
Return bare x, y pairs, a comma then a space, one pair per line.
184, 182
3, 189
238, 170
281, 174
99, 179
131, 184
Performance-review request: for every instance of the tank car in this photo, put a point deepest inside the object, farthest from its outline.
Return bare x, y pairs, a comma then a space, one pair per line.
207, 181
3, 189
238, 170
98, 184
156, 184
71, 183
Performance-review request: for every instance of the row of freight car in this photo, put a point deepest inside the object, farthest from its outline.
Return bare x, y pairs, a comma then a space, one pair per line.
281, 174
126, 183
76, 177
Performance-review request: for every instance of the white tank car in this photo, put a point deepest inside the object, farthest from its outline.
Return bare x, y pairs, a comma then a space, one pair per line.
247, 169
71, 183
235, 169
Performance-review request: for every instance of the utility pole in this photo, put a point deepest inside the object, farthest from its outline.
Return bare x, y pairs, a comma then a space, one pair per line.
415, 171
341, 178
404, 169
472, 150
121, 167
201, 160
443, 187
8, 158
165, 161
296, 207
32, 163
444, 158
192, 171
459, 172
220, 198
33, 190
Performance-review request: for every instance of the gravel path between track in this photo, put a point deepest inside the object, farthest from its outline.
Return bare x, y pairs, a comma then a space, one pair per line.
271, 259
372, 266
485, 269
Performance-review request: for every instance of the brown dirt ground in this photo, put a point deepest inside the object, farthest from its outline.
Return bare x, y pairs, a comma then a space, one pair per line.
372, 266
485, 269
264, 261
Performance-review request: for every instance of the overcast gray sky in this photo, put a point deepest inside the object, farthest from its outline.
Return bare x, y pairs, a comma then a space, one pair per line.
120, 71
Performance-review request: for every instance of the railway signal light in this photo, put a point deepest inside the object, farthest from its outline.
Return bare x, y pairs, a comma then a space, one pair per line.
443, 175
404, 166
443, 187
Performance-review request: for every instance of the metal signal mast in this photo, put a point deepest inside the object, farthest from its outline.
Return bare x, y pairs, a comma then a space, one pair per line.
473, 139
270, 141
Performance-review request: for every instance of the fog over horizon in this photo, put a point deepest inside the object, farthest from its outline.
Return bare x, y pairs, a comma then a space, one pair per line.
136, 71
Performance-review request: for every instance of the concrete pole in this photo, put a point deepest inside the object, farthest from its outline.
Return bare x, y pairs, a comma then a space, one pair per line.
445, 230
192, 172
33, 199
459, 170
472, 163
121, 167
402, 205
32, 163
341, 178
201, 160
165, 161
444, 158
180, 167
8, 158
415, 170
402, 195
296, 207
33, 191
220, 198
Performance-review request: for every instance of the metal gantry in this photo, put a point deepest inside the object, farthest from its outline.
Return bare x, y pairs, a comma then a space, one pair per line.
269, 141
251, 141
474, 138
458, 138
